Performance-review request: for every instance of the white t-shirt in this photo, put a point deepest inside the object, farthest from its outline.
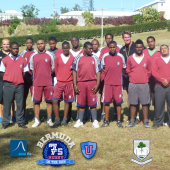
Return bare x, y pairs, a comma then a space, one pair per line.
64, 58
166, 59
97, 54
74, 53
138, 59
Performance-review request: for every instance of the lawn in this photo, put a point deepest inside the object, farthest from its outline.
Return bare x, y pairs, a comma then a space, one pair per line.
114, 145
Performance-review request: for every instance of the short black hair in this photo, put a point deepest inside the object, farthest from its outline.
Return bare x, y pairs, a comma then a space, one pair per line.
95, 40
139, 41
75, 37
14, 43
164, 45
151, 37
52, 39
113, 42
29, 38
40, 39
109, 34
65, 42
87, 43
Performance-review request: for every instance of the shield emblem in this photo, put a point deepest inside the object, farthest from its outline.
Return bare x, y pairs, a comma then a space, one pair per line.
141, 148
88, 149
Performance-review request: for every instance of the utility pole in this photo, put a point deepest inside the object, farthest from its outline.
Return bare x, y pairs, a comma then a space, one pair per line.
102, 26
54, 8
85, 6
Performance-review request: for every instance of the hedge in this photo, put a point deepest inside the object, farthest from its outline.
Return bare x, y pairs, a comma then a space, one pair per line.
61, 36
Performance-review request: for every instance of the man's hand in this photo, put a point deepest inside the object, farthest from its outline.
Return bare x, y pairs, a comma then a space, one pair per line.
76, 89
165, 82
95, 89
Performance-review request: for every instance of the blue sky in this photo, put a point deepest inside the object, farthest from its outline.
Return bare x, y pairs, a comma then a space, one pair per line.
46, 6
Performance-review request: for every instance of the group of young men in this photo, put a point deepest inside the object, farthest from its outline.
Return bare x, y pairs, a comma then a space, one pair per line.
77, 75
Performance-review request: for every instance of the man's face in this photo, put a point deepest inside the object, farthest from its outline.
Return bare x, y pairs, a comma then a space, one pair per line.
5, 45
66, 49
151, 43
139, 48
164, 50
41, 45
29, 44
112, 48
88, 50
127, 38
95, 45
14, 50
108, 39
52, 44
75, 42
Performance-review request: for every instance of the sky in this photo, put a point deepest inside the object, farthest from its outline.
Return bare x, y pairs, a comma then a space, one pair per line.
46, 6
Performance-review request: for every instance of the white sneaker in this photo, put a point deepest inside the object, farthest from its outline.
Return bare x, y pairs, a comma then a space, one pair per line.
78, 124
95, 124
50, 123
36, 123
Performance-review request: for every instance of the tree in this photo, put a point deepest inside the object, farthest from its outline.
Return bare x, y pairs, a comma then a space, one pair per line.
88, 17
0, 11
29, 11
77, 8
141, 145
56, 15
64, 10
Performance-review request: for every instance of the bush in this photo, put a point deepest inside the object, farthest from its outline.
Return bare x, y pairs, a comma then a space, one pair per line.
61, 36
5, 23
169, 25
115, 21
88, 17
10, 30
69, 21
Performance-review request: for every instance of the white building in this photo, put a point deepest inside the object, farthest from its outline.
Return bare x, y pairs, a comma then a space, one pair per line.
162, 6
78, 15
7, 15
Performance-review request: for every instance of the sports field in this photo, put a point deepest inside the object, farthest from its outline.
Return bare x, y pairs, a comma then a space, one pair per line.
114, 145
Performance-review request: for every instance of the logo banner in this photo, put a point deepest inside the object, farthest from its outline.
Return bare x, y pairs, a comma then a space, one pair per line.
55, 162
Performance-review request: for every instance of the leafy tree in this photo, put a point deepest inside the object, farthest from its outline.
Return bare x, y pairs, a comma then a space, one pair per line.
56, 15
141, 145
29, 11
64, 10
0, 11
88, 17
77, 8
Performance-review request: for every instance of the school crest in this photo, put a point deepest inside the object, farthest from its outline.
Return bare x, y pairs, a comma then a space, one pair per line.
144, 65
21, 65
88, 149
118, 63
46, 60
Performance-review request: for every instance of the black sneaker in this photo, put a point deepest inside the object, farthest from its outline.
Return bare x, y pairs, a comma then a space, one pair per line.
119, 124
65, 124
146, 125
130, 125
105, 124
137, 121
155, 126
56, 125
103, 117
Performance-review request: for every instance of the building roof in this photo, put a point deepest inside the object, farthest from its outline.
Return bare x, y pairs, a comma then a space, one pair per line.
150, 4
98, 13
12, 12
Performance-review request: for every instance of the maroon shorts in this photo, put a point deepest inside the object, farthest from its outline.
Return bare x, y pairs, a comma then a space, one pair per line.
112, 93
68, 90
37, 93
85, 96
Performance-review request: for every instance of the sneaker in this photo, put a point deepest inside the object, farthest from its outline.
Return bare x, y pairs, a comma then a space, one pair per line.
50, 123
78, 124
130, 125
65, 124
137, 121
146, 125
13, 120
103, 116
155, 126
95, 124
0, 120
36, 123
105, 123
119, 124
55, 125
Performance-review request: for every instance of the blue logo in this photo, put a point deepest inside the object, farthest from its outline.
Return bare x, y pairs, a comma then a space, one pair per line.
55, 153
18, 148
88, 149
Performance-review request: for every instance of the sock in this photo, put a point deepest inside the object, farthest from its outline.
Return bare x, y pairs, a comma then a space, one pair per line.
145, 121
48, 118
132, 121
37, 118
80, 116
94, 115
57, 120
118, 121
103, 114
64, 120
137, 117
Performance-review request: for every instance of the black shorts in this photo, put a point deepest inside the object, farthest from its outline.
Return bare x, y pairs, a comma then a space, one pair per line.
125, 82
